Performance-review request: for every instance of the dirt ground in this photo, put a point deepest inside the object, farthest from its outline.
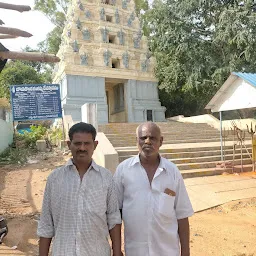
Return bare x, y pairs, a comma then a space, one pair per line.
227, 230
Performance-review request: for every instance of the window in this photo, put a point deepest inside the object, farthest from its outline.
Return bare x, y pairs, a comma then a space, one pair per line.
108, 18
115, 63
119, 97
112, 39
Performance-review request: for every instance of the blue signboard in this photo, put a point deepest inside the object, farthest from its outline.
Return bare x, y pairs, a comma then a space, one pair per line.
35, 102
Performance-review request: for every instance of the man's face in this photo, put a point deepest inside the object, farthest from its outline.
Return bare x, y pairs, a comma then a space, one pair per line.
82, 147
149, 140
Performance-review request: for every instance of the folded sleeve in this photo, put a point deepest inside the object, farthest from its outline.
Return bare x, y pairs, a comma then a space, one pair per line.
113, 213
45, 224
119, 185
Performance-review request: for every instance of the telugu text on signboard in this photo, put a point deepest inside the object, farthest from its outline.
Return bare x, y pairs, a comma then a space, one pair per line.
36, 102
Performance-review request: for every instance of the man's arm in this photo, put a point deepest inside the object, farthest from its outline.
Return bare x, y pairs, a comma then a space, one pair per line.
44, 246
115, 234
45, 228
183, 230
114, 219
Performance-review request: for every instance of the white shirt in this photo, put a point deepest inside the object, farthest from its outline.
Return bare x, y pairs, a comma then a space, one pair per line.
150, 216
79, 214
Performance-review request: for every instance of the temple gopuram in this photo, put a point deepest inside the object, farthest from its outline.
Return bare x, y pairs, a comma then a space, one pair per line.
104, 59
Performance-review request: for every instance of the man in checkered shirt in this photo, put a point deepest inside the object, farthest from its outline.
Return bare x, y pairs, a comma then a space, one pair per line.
80, 207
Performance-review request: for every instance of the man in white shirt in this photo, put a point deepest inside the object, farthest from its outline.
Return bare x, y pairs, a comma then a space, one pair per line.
80, 206
153, 200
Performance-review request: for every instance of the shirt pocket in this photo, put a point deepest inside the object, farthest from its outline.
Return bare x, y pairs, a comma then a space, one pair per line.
166, 205
96, 201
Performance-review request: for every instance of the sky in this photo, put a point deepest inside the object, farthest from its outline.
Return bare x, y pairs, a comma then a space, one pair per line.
33, 22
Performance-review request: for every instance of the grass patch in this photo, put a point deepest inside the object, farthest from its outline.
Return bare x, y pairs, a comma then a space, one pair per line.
15, 155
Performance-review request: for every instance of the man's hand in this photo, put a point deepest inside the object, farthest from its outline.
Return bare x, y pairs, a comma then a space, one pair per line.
115, 235
44, 246
118, 254
183, 231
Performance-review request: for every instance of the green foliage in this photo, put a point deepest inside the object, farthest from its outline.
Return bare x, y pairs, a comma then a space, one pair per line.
52, 42
15, 73
141, 7
44, 69
36, 133
56, 11
55, 136
197, 44
14, 156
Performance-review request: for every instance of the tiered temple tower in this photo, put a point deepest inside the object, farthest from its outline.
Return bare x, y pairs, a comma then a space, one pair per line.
105, 60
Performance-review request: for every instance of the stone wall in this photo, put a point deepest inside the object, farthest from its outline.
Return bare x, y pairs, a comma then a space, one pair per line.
6, 134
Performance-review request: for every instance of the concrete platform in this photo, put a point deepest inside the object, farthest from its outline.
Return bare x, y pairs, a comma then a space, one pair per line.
211, 191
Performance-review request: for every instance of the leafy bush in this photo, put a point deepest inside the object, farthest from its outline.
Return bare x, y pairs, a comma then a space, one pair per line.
14, 156
55, 136
36, 133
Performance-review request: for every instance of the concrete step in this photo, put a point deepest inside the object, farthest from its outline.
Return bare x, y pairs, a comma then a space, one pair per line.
171, 134
120, 127
123, 151
200, 156
166, 137
214, 171
202, 159
124, 143
202, 153
185, 157
174, 132
210, 164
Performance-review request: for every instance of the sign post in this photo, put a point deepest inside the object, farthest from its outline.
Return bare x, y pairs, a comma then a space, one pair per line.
35, 102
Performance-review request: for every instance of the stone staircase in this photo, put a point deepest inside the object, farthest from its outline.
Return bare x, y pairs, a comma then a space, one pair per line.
193, 147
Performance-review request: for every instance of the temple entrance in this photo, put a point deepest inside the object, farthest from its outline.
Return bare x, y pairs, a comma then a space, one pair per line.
115, 93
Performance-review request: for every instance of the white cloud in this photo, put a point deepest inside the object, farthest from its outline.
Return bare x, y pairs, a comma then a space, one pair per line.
33, 22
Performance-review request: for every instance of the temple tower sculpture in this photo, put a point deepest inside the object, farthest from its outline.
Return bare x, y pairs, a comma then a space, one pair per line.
105, 60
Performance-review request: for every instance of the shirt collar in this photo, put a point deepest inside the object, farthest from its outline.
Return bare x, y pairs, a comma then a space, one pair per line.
136, 160
93, 165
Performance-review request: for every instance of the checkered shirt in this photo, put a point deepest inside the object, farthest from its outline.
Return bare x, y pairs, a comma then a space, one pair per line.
79, 214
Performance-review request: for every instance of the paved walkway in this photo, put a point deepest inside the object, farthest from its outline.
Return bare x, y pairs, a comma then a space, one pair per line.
207, 192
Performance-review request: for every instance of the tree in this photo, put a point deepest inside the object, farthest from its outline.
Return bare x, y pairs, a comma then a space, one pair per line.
142, 7
43, 69
197, 44
15, 73
56, 11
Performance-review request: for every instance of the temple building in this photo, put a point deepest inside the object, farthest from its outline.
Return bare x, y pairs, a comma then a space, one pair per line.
105, 60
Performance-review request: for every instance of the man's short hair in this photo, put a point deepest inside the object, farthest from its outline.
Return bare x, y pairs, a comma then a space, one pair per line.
82, 127
149, 123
